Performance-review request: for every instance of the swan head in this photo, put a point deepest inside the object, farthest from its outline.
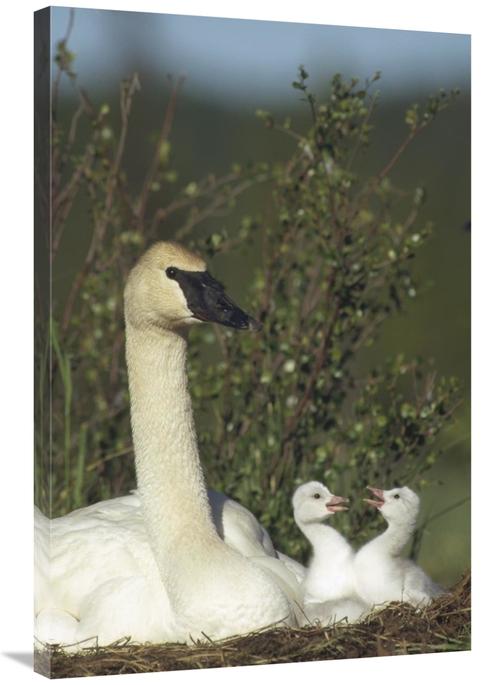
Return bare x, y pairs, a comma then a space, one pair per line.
313, 502
170, 287
397, 505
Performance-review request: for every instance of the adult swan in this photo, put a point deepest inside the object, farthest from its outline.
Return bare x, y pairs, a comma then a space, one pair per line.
158, 571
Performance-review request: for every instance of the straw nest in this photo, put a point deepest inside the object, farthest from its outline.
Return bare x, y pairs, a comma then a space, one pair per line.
397, 629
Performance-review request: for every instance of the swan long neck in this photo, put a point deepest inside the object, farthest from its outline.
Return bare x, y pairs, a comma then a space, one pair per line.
327, 542
393, 540
169, 474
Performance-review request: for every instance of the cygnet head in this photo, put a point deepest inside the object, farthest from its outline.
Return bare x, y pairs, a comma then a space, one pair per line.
399, 504
170, 287
313, 502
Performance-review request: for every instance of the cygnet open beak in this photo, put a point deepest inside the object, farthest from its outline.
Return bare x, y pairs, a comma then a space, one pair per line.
332, 505
378, 493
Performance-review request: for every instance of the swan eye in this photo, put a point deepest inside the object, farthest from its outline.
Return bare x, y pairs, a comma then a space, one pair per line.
396, 496
316, 496
171, 272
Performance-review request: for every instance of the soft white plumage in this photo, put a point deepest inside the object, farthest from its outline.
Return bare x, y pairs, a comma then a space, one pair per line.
330, 593
154, 568
382, 575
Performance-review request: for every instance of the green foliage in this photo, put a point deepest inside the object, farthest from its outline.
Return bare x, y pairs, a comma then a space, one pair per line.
287, 405
83, 447
276, 408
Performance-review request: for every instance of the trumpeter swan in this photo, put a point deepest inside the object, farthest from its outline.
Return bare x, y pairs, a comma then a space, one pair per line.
153, 567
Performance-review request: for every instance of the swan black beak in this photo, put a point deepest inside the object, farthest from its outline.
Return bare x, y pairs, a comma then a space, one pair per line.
207, 301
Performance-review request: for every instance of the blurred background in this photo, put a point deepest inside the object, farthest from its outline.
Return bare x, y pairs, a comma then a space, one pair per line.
234, 67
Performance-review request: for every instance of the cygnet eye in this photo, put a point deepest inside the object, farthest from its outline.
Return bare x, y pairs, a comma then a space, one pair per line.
171, 272
396, 496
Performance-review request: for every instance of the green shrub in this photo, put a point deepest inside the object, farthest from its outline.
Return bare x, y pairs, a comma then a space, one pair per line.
276, 408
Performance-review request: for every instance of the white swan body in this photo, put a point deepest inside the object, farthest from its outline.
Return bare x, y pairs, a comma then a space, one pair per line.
238, 527
101, 563
163, 575
330, 593
240, 530
128, 567
382, 575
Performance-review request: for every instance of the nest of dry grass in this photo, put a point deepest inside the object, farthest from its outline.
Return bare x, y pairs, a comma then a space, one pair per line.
397, 629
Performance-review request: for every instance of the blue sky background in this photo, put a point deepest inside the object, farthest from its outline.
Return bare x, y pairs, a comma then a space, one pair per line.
234, 60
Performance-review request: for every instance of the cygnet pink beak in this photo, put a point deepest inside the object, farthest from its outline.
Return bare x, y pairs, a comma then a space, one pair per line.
332, 505
378, 493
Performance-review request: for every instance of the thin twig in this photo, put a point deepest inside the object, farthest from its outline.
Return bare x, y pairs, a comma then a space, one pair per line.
151, 174
57, 78
128, 91
218, 201
423, 124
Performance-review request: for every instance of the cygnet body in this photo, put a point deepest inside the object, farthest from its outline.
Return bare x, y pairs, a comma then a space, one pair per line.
330, 593
382, 575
